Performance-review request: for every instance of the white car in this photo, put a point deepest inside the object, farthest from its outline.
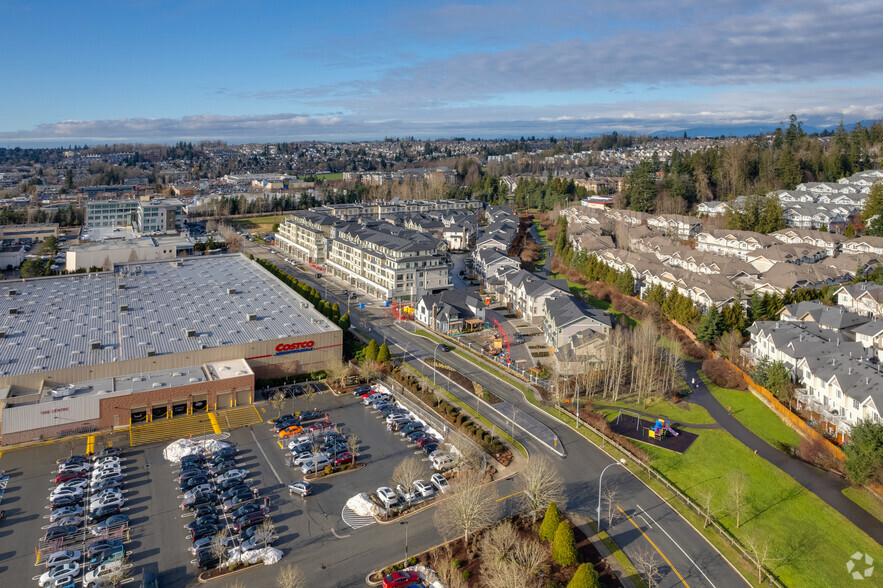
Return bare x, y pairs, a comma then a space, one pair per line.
423, 489
256, 541
442, 463
387, 496
109, 460
60, 558
437, 454
60, 575
65, 491
78, 483
74, 467
106, 473
100, 574
304, 457
440, 483
108, 492
109, 500
200, 489
405, 495
315, 464
234, 474
74, 520
64, 512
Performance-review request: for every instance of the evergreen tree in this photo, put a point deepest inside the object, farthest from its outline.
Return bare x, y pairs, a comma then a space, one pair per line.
550, 522
344, 322
383, 353
872, 213
564, 545
710, 326
865, 452
585, 577
371, 351
626, 283
335, 308
640, 188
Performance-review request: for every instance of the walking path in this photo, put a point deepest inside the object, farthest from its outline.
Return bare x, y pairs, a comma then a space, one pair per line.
655, 416
823, 484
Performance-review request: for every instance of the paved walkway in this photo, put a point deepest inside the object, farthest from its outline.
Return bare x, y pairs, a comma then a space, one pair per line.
826, 486
655, 416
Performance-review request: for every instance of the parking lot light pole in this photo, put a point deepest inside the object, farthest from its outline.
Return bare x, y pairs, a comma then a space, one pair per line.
406, 540
600, 478
435, 368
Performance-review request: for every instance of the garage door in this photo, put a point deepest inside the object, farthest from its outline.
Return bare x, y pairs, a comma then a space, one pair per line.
225, 400
139, 414
243, 397
159, 411
179, 407
199, 403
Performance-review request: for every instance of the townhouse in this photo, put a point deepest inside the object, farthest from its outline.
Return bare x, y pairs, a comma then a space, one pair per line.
764, 259
526, 293
830, 242
830, 318
564, 316
863, 245
782, 277
735, 243
713, 208
864, 298
489, 262
676, 225
451, 312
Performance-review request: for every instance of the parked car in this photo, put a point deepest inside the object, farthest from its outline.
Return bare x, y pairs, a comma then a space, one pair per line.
206, 560
442, 463
423, 489
209, 519
111, 523
106, 500
103, 512
199, 489
107, 452
342, 459
224, 452
108, 483
309, 415
101, 574
64, 512
235, 474
60, 491
296, 447
387, 496
205, 531
290, 431
69, 475
231, 492
194, 458
405, 495
283, 417
229, 483
400, 579
249, 520
426, 440
198, 499
62, 557
59, 532
190, 473
67, 500
204, 544
319, 427
315, 465
302, 488
362, 390
104, 461
224, 466
237, 501
336, 449
429, 448
204, 509
74, 467
103, 545
302, 458
190, 483
60, 575
284, 424
440, 483
244, 510
78, 483
410, 428
72, 459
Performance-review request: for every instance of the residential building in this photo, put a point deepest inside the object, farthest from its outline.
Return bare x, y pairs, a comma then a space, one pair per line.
451, 312
712, 208
736, 243
565, 316
143, 216
864, 298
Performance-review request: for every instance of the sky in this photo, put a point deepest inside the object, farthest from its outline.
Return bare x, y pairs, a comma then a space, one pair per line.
101, 71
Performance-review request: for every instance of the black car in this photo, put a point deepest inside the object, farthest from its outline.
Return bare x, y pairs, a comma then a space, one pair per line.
192, 483
190, 473
102, 513
101, 549
413, 437
237, 500
197, 499
222, 467
310, 415
67, 501
244, 510
204, 531
112, 482
74, 459
284, 424
107, 452
205, 509
362, 390
282, 418
231, 483
224, 452
238, 489
209, 519
60, 532
429, 448
196, 458
206, 560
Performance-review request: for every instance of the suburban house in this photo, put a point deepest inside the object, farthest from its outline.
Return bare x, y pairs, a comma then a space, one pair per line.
490, 262
450, 312
864, 298
565, 316
712, 208
526, 293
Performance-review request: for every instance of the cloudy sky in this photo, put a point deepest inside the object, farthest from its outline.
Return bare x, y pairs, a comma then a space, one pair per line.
249, 70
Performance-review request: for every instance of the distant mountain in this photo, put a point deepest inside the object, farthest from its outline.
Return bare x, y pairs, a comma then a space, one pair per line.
746, 130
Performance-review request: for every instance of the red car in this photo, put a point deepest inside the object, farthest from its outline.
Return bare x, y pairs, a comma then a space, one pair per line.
67, 476
345, 457
400, 579
320, 426
426, 440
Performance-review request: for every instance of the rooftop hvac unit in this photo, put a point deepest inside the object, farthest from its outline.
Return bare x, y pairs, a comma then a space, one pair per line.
121, 286
12, 293
231, 290
2, 334
189, 332
151, 352
156, 385
250, 316
192, 380
95, 344
13, 311
124, 307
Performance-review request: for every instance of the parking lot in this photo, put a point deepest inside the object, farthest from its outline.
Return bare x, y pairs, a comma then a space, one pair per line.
310, 530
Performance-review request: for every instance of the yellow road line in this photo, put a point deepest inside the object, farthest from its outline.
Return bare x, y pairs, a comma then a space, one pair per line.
214, 421
90, 444
510, 496
678, 574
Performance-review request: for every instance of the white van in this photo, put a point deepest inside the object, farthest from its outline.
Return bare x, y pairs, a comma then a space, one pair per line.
441, 463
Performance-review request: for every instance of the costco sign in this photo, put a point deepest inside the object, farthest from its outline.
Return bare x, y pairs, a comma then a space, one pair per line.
285, 348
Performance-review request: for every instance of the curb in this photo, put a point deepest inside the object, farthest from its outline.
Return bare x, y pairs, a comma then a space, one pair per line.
362, 465
200, 579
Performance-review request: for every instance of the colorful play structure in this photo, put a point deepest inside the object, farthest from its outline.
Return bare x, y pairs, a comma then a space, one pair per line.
660, 430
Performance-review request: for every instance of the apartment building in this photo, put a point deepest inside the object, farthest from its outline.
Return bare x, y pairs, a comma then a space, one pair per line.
388, 262
736, 243
304, 236
864, 298
144, 216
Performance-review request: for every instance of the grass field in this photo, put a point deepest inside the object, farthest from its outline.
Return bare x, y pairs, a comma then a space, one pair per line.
866, 500
259, 223
755, 415
695, 415
810, 542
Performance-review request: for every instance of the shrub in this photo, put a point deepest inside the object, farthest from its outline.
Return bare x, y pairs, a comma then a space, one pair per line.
564, 545
455, 563
723, 374
816, 451
550, 522
585, 577
328, 469
465, 574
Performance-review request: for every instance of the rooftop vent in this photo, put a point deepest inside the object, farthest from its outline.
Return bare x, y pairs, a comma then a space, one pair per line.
124, 307
95, 344
151, 352
13, 311
121, 286
250, 316
12, 293
2, 334
188, 332
231, 290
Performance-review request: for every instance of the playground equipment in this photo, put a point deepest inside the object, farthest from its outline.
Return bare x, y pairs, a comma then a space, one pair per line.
661, 429
401, 311
505, 337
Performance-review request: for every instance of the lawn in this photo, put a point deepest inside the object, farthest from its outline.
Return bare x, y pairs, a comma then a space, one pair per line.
810, 542
695, 415
259, 223
337, 176
541, 231
755, 415
866, 500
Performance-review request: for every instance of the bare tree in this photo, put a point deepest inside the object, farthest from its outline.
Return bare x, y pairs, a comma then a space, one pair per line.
737, 495
120, 573
291, 577
336, 371
277, 400
442, 564
610, 496
406, 473
231, 238
709, 507
471, 505
266, 532
353, 443
647, 564
541, 484
531, 556
759, 551
511, 560
369, 371
499, 541
219, 546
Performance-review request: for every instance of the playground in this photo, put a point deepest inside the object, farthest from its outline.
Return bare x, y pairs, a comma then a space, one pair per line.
659, 432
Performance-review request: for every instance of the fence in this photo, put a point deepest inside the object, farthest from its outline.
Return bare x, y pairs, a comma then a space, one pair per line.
784, 413
686, 500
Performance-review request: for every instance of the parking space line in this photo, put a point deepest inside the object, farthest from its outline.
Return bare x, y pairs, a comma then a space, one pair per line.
264, 453
677, 573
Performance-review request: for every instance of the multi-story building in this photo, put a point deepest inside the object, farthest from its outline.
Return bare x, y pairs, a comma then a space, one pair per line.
388, 262
144, 216
304, 236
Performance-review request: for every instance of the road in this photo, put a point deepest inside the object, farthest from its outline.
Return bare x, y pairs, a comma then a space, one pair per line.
685, 556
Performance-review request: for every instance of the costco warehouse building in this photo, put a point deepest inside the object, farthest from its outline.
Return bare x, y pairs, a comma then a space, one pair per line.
149, 340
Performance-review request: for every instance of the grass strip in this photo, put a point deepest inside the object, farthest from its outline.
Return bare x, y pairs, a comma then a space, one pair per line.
621, 557
865, 499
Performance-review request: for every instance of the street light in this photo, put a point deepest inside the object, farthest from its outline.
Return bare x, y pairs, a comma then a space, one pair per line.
600, 478
434, 367
406, 540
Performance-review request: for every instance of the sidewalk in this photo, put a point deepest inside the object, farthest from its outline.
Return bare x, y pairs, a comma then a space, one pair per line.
583, 524
823, 484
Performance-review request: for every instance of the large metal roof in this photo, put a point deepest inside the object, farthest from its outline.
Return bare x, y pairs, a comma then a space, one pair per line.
145, 308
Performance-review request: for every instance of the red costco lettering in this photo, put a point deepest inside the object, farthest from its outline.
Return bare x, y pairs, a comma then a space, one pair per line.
294, 346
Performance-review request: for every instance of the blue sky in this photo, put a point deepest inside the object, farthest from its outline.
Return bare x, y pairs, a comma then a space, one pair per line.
151, 70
